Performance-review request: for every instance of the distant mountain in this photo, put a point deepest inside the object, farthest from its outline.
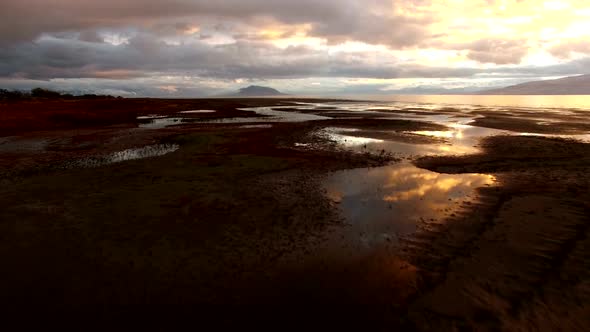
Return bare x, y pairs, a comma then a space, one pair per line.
257, 91
574, 85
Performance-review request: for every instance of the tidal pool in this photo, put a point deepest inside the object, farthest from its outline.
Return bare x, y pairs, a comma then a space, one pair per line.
272, 114
160, 122
197, 111
382, 204
126, 155
459, 139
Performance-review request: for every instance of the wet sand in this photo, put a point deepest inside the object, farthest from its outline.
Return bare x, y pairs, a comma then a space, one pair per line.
519, 260
409, 217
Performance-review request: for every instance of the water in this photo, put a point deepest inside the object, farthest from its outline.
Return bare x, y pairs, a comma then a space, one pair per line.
272, 114
458, 140
383, 204
126, 155
582, 102
197, 112
267, 114
380, 205
160, 122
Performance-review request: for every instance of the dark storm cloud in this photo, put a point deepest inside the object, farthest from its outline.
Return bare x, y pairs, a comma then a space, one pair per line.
144, 55
145, 43
70, 58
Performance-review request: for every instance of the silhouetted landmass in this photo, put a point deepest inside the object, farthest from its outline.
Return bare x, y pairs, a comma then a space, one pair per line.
257, 91
13, 94
41, 93
574, 85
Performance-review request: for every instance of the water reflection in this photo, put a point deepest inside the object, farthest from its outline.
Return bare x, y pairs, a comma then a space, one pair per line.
459, 139
339, 136
384, 203
504, 100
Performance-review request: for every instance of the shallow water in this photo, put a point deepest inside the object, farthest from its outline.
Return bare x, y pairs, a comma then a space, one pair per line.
271, 114
197, 112
382, 204
161, 122
507, 100
267, 114
258, 126
126, 155
459, 139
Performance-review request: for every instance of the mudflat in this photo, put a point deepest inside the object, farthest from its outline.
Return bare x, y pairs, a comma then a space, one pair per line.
129, 204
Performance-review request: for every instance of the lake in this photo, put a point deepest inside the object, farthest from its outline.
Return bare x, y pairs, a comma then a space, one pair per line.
514, 101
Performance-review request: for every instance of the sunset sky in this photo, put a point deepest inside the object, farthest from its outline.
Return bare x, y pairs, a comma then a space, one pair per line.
330, 47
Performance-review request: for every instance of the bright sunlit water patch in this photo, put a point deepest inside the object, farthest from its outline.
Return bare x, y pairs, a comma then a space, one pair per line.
556, 101
439, 134
339, 136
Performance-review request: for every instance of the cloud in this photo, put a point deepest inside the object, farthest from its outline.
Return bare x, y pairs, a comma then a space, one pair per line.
566, 49
336, 20
146, 55
216, 42
494, 50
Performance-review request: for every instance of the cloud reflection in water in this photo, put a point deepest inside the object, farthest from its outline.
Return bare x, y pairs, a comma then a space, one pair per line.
388, 201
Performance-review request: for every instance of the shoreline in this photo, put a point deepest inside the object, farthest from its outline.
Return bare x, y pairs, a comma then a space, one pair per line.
237, 215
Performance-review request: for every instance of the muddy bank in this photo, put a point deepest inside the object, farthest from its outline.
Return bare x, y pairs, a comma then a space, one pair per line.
20, 117
311, 220
518, 260
537, 126
200, 224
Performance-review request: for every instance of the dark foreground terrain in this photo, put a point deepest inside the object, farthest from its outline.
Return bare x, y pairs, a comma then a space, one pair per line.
225, 228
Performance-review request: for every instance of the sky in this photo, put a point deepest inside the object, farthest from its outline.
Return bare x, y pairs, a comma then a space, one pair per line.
195, 48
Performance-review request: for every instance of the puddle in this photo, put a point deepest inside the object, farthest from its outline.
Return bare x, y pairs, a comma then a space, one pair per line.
339, 136
459, 139
161, 122
271, 114
126, 155
197, 111
267, 114
151, 117
256, 126
382, 204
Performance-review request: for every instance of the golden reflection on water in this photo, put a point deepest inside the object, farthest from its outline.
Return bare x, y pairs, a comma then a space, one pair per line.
440, 134
394, 199
514, 101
